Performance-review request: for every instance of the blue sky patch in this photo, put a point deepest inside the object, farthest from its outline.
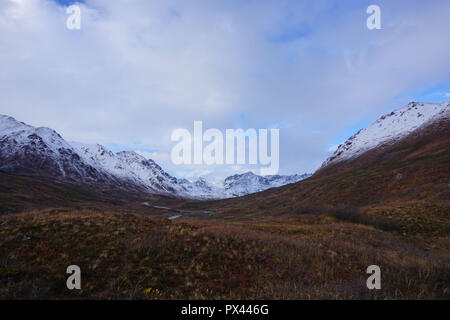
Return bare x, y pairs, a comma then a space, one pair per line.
68, 2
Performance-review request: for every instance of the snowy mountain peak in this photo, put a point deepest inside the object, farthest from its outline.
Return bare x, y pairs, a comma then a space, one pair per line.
389, 128
9, 124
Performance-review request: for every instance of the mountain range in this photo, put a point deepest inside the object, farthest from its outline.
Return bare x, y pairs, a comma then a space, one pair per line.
43, 152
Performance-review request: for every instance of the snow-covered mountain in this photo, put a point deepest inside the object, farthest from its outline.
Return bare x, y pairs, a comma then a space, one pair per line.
242, 184
128, 166
389, 128
43, 152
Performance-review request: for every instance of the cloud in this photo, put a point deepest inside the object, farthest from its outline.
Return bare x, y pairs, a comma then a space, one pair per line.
156, 156
136, 71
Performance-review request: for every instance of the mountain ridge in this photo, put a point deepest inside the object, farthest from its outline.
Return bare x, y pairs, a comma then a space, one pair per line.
388, 128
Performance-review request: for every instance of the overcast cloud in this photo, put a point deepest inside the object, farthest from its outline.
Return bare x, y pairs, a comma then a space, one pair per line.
139, 69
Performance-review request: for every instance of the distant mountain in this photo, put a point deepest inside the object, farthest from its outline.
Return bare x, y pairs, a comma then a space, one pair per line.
388, 129
43, 152
242, 184
130, 167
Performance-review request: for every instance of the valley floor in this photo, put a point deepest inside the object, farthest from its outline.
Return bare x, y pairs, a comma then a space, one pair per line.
312, 254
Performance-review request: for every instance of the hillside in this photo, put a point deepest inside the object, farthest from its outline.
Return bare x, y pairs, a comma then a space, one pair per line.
389, 129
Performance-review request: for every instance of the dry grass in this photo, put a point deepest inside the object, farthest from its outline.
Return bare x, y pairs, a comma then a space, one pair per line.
127, 256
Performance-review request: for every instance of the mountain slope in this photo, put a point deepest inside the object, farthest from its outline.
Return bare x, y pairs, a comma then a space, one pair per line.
388, 129
128, 166
42, 152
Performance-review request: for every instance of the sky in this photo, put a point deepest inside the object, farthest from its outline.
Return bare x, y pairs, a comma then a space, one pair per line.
136, 70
